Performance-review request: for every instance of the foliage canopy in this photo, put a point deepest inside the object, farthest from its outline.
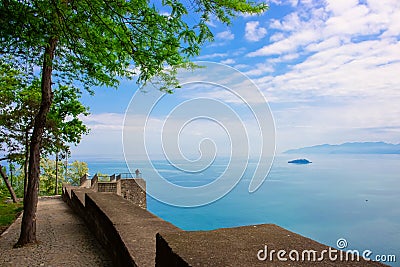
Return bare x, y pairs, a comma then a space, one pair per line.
99, 41
94, 42
21, 102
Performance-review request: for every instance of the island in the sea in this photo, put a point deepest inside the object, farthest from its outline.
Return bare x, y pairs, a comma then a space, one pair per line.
349, 148
300, 161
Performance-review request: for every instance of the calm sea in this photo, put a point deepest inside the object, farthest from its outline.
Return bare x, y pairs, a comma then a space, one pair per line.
356, 197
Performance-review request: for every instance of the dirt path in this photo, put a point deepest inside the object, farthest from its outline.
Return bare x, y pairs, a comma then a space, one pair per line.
64, 240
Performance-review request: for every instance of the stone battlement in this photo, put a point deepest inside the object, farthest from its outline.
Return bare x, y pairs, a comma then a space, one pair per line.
132, 189
134, 236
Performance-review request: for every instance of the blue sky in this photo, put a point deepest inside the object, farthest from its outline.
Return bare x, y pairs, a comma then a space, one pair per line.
329, 70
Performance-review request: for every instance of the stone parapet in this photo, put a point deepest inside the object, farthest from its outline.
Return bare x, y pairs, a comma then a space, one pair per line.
126, 230
254, 245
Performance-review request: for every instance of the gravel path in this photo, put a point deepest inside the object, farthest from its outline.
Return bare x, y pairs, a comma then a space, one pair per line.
64, 240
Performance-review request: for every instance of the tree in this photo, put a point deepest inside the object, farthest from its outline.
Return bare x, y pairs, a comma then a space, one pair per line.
17, 180
75, 172
21, 101
21, 104
47, 183
48, 169
63, 131
96, 42
8, 185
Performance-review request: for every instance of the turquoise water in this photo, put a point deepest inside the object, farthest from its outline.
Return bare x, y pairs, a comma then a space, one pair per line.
356, 197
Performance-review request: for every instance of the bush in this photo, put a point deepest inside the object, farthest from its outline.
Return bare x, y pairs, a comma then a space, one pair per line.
8, 211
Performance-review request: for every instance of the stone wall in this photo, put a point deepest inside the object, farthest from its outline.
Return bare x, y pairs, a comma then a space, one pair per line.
104, 229
134, 236
109, 187
94, 182
124, 229
253, 245
134, 190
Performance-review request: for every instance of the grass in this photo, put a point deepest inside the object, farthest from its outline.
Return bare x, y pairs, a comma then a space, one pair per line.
8, 212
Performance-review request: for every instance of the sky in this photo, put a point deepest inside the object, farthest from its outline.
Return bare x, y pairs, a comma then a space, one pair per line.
328, 70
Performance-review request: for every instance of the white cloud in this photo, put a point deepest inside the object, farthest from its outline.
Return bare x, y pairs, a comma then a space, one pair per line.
260, 69
277, 37
165, 13
241, 66
285, 58
344, 84
253, 32
228, 61
288, 45
224, 84
104, 139
352, 120
225, 35
284, 2
350, 69
239, 51
337, 40
104, 121
341, 6
339, 21
210, 56
331, 42
331, 70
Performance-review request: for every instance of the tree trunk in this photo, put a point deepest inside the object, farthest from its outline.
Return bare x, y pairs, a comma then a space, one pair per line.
9, 186
66, 166
56, 187
28, 225
26, 161
11, 173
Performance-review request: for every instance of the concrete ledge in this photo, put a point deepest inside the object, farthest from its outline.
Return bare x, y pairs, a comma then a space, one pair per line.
239, 247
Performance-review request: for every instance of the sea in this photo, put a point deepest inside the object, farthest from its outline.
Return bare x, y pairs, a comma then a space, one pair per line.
355, 198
